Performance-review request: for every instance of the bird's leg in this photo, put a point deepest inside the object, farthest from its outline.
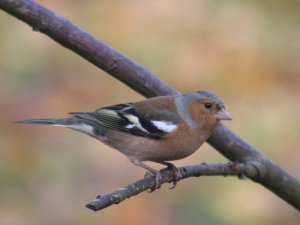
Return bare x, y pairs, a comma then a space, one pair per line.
155, 173
176, 172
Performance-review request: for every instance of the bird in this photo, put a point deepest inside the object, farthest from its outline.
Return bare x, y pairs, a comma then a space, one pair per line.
158, 129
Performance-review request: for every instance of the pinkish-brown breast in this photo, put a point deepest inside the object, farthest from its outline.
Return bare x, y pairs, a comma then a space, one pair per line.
174, 146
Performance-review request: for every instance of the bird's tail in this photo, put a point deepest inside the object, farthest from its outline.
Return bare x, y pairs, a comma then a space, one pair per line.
78, 124
54, 122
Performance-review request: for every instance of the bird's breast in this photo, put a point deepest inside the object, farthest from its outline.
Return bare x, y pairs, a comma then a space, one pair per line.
176, 145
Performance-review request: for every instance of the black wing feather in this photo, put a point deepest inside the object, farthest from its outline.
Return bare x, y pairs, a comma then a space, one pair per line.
117, 118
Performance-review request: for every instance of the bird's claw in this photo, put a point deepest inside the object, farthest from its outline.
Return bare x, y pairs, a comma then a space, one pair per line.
177, 174
158, 180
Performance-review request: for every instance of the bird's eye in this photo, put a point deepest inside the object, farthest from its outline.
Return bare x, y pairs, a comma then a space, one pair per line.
207, 105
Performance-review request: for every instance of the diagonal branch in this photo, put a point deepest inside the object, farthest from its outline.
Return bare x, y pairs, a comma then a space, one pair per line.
143, 81
229, 169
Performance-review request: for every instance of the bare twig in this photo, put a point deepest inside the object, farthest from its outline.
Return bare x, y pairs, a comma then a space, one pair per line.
229, 169
143, 81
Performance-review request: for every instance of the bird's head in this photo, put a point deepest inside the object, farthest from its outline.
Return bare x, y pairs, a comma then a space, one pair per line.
212, 105
206, 108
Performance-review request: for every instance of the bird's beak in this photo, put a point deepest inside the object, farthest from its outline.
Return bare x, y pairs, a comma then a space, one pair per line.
222, 114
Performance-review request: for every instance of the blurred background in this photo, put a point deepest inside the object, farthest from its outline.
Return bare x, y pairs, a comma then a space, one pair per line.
247, 52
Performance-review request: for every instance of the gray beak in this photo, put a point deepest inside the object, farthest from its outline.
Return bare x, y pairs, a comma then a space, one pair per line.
223, 114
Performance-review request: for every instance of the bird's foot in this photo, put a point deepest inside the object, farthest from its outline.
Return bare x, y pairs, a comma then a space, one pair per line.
176, 172
150, 172
158, 179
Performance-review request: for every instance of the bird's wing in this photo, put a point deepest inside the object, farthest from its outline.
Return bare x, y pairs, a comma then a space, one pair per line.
130, 118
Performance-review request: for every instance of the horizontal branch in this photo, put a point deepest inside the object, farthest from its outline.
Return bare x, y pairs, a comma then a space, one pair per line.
143, 81
229, 169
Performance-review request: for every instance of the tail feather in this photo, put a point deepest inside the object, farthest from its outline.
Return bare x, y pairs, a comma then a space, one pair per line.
82, 125
54, 122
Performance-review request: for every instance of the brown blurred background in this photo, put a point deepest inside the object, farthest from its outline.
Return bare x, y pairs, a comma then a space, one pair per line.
247, 52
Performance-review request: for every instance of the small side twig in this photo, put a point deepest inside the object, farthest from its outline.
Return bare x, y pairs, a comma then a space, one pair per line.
229, 169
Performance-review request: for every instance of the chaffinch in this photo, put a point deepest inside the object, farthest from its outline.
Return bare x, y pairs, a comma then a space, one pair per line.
158, 129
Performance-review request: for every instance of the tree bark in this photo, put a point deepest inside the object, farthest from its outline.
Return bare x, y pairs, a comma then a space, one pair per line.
241, 170
143, 81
